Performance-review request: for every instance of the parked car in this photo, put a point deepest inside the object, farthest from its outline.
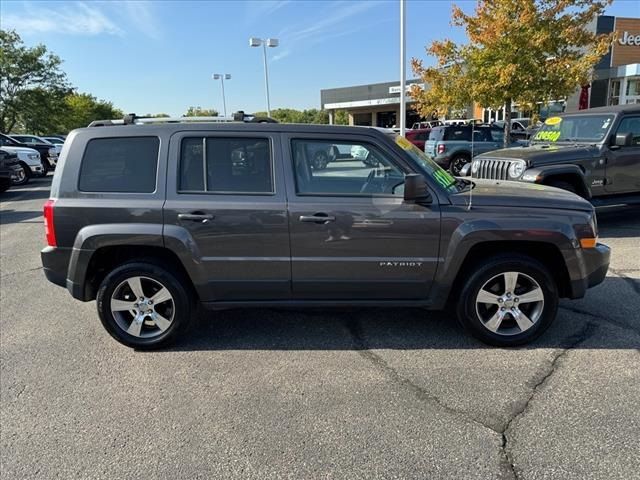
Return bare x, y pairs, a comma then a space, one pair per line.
594, 153
9, 168
430, 124
47, 154
451, 147
29, 160
55, 140
163, 225
521, 128
418, 137
34, 139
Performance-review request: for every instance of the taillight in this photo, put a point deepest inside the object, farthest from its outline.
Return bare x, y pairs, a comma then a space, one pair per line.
49, 229
441, 149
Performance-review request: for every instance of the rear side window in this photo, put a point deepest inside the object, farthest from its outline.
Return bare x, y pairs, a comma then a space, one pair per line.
123, 164
458, 133
226, 165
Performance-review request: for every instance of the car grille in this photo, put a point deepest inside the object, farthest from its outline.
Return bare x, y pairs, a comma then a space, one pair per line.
493, 169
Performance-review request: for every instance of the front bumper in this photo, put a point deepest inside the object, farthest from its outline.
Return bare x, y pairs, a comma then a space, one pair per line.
595, 264
36, 169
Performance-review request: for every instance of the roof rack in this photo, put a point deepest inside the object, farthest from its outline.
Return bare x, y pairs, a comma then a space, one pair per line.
133, 119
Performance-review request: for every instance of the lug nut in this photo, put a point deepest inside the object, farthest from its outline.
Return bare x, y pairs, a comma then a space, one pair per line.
150, 302
516, 300
509, 295
500, 300
502, 309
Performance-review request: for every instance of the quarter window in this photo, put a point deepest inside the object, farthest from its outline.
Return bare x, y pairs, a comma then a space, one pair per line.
124, 164
344, 168
226, 165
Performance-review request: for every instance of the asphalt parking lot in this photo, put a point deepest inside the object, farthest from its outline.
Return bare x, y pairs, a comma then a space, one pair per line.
367, 393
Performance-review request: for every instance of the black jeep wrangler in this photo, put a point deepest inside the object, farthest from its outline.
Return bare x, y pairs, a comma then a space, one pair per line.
594, 153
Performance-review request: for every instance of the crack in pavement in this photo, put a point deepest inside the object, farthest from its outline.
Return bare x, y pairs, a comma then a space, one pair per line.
615, 323
20, 272
360, 345
633, 283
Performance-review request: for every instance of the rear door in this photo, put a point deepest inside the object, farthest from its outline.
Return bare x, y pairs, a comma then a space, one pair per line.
623, 163
435, 135
352, 235
226, 194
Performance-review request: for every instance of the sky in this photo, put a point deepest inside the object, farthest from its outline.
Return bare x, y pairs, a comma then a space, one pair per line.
158, 56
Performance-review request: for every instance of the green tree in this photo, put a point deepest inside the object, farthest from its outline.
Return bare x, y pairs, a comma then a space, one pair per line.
200, 112
518, 51
27, 75
84, 108
341, 117
291, 115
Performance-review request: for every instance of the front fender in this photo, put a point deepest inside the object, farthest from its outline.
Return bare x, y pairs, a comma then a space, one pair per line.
545, 173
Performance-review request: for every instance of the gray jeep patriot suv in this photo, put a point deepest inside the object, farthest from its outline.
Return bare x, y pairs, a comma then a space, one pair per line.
150, 219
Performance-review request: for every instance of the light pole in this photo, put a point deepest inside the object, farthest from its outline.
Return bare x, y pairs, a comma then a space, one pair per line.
267, 42
222, 77
403, 74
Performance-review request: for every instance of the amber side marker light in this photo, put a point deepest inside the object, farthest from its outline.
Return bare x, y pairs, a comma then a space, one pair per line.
588, 242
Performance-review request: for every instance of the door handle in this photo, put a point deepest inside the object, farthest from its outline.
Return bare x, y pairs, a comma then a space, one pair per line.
195, 217
317, 218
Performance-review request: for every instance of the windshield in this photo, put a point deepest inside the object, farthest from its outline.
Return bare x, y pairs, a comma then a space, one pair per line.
431, 168
578, 128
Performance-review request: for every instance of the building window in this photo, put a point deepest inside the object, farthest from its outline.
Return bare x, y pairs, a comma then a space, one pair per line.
632, 92
614, 92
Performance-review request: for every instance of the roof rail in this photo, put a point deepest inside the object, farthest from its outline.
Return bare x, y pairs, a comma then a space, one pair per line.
133, 119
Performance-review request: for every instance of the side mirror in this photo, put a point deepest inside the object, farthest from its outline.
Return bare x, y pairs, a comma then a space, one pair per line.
415, 189
623, 139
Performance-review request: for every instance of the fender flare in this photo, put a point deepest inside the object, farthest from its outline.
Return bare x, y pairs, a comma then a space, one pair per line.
545, 173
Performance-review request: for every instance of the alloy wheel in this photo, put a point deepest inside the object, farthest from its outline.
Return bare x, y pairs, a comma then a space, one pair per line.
510, 303
142, 307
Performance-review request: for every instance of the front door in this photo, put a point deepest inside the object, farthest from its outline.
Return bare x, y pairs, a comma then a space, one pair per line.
226, 199
623, 163
352, 235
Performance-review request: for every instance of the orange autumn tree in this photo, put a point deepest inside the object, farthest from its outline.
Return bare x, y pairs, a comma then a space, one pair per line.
518, 51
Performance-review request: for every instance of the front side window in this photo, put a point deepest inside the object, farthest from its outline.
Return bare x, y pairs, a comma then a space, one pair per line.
226, 165
631, 125
365, 170
124, 164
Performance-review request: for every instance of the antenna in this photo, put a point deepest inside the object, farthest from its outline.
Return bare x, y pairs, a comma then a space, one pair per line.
471, 166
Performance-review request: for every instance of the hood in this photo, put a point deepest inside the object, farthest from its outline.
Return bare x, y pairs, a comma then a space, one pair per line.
18, 150
500, 193
542, 154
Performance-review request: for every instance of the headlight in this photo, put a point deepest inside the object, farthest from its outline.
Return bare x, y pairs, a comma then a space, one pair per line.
516, 169
33, 156
475, 166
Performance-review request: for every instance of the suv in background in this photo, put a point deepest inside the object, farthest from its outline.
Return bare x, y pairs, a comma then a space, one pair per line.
9, 168
29, 160
418, 136
594, 153
451, 146
151, 220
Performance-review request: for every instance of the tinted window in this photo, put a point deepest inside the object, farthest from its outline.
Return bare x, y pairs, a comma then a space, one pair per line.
631, 125
497, 134
458, 134
436, 134
226, 165
126, 164
481, 135
366, 171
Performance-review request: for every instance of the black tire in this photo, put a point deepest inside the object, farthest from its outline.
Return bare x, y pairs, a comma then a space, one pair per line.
563, 185
468, 314
182, 298
24, 174
457, 163
45, 167
320, 160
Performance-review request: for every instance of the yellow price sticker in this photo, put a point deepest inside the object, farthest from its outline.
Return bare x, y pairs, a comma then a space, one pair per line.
553, 121
403, 142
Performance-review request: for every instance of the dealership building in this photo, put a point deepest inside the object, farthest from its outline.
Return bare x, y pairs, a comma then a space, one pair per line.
615, 80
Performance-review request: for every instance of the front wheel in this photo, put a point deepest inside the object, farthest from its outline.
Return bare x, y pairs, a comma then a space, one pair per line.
508, 300
457, 164
22, 174
143, 305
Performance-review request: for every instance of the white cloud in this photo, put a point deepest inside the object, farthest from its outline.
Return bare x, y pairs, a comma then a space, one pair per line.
79, 18
141, 15
257, 10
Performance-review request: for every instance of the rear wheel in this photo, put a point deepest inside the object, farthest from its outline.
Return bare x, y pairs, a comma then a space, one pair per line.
143, 305
508, 300
22, 174
457, 164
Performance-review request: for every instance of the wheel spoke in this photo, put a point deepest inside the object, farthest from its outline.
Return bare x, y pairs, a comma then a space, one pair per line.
522, 320
136, 326
136, 286
534, 295
121, 305
494, 322
487, 297
161, 296
510, 281
161, 322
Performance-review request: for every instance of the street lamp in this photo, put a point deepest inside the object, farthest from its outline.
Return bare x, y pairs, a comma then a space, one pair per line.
267, 42
222, 77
